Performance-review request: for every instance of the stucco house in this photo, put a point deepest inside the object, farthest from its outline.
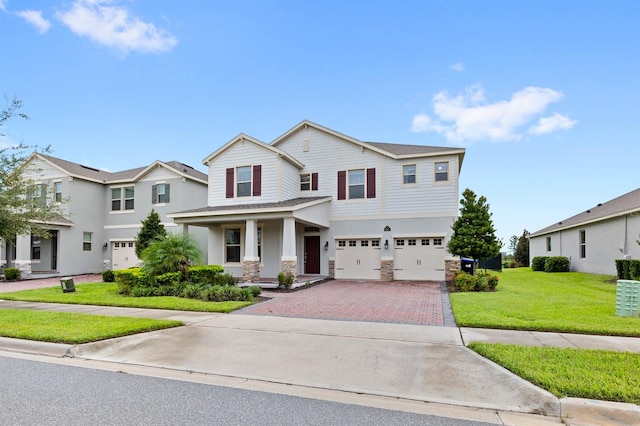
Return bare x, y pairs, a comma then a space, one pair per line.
102, 214
318, 202
595, 238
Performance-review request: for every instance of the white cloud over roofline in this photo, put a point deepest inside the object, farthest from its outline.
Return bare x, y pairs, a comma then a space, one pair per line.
469, 117
35, 18
114, 26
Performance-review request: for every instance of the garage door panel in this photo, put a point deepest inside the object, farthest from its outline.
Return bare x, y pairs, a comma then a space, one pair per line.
357, 259
419, 259
123, 255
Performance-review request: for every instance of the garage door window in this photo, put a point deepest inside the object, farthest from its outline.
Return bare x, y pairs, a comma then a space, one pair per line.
399, 243
375, 243
352, 243
342, 243
364, 243
412, 242
437, 241
425, 242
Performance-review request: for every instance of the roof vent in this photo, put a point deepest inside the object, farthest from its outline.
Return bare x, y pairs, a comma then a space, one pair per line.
599, 204
559, 223
588, 211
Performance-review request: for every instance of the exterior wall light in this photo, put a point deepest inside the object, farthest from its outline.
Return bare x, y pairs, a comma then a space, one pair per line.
386, 244
326, 245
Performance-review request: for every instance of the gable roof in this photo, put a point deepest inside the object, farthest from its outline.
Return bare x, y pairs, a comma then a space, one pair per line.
620, 206
246, 138
101, 176
392, 150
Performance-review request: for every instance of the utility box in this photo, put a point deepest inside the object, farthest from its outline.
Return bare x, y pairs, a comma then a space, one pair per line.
627, 298
67, 285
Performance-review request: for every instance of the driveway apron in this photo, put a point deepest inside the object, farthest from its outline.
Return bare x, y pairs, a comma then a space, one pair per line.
399, 302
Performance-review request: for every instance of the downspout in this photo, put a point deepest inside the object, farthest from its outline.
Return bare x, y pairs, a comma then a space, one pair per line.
626, 218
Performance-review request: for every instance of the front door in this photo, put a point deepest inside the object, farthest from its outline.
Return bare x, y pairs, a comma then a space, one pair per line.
312, 255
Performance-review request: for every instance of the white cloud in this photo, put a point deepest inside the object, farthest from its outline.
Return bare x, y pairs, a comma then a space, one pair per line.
469, 117
3, 5
114, 26
457, 67
34, 17
551, 124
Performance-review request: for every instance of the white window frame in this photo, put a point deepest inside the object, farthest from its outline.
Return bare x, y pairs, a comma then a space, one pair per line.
57, 191
87, 241
436, 172
308, 183
582, 240
244, 182
363, 184
123, 199
158, 200
243, 229
406, 175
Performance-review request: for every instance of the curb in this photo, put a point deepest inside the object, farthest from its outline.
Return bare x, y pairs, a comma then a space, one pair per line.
58, 350
590, 412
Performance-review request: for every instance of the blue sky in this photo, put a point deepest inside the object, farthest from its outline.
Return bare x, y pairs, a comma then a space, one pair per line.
544, 95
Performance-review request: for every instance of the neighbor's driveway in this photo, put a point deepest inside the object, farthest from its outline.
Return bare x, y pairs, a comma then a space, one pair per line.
400, 302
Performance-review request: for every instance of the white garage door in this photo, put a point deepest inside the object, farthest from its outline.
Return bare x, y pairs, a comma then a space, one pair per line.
419, 259
358, 259
123, 255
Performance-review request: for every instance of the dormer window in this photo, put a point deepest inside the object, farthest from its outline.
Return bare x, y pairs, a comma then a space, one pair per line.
243, 181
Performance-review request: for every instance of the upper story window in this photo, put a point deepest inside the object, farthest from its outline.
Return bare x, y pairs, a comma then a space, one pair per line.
356, 184
441, 171
409, 173
57, 189
309, 182
244, 181
38, 194
583, 244
86, 241
160, 193
122, 198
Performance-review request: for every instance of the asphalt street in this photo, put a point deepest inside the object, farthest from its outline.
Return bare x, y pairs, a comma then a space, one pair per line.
36, 393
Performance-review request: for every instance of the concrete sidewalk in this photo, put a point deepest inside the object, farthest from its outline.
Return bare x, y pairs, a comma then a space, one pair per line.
412, 362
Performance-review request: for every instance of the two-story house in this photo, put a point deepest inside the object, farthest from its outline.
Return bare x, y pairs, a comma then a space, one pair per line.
318, 202
102, 214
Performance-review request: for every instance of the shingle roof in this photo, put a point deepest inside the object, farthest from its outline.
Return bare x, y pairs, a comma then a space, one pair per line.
623, 204
106, 177
402, 149
256, 206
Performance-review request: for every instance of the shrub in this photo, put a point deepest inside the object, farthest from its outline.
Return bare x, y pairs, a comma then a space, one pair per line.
484, 281
224, 280
128, 279
255, 290
170, 279
492, 282
537, 263
192, 291
480, 282
12, 274
204, 273
513, 264
108, 276
464, 281
628, 269
285, 279
557, 264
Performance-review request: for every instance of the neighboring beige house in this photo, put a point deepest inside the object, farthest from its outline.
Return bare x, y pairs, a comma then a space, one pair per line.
102, 215
595, 238
318, 202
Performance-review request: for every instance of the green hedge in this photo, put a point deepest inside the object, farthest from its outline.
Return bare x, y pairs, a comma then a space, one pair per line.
128, 279
483, 281
204, 273
557, 264
537, 263
11, 274
628, 269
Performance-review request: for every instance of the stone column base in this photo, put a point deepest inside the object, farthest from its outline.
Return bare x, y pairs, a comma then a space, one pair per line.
25, 269
332, 268
251, 270
386, 269
290, 267
451, 267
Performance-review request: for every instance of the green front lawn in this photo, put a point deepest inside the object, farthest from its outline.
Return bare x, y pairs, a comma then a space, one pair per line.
570, 302
591, 374
61, 327
106, 294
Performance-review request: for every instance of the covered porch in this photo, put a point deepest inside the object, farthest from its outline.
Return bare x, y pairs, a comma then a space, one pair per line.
255, 242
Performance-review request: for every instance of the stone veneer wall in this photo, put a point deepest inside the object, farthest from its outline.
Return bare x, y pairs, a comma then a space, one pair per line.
25, 268
386, 269
291, 267
451, 268
332, 268
251, 270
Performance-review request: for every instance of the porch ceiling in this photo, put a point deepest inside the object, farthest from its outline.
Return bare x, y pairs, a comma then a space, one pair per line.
311, 210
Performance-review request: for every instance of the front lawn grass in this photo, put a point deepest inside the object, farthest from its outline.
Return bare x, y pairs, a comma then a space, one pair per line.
569, 302
591, 374
106, 294
62, 327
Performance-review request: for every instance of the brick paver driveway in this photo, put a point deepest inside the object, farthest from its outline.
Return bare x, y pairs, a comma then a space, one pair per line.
400, 302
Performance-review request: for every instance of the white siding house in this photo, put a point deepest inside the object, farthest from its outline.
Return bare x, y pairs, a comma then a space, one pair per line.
318, 202
102, 214
595, 238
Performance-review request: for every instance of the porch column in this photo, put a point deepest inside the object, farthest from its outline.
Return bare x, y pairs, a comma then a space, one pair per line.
251, 261
183, 228
23, 255
289, 260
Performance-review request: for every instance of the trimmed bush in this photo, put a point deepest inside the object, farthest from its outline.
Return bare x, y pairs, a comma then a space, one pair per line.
557, 264
285, 279
170, 279
464, 281
537, 263
12, 274
204, 273
128, 279
108, 276
254, 290
224, 280
628, 269
483, 281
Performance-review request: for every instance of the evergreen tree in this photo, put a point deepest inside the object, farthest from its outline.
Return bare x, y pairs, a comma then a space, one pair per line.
152, 230
473, 233
521, 254
513, 243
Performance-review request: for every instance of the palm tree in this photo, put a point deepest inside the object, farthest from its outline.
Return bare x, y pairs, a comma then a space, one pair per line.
173, 253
